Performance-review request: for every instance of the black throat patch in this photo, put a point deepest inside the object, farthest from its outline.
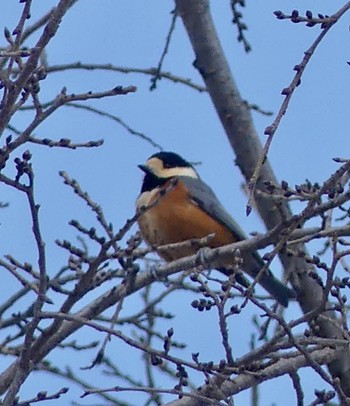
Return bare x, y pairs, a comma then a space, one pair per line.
152, 181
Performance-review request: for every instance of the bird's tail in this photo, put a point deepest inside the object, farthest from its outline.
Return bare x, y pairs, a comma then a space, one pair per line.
277, 289
252, 264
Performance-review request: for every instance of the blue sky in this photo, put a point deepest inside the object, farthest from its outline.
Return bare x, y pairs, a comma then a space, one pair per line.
132, 33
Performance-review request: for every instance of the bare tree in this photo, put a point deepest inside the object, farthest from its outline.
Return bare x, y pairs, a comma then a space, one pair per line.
89, 291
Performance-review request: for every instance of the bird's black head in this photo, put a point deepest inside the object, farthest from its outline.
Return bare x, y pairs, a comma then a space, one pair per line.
171, 160
162, 166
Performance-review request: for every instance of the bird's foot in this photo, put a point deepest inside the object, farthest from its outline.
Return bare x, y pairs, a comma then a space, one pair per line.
202, 257
154, 271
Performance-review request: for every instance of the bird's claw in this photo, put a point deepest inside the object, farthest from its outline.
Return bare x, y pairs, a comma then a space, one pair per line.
202, 257
155, 274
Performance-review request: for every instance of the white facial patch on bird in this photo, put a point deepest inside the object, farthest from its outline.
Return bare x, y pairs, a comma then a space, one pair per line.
157, 167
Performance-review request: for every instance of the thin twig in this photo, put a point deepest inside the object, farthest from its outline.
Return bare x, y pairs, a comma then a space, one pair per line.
288, 93
157, 75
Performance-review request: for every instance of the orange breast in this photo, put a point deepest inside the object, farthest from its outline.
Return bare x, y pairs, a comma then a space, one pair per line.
177, 218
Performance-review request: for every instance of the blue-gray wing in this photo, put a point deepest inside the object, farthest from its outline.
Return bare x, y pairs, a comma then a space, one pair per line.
206, 199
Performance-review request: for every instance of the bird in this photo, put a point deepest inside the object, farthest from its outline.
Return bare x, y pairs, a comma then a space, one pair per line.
176, 205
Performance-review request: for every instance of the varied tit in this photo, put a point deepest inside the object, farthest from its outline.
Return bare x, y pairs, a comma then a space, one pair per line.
182, 208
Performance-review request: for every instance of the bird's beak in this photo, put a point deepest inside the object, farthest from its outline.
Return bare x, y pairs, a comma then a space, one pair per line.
146, 169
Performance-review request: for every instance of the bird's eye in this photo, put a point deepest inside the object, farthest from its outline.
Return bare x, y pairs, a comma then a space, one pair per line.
167, 165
